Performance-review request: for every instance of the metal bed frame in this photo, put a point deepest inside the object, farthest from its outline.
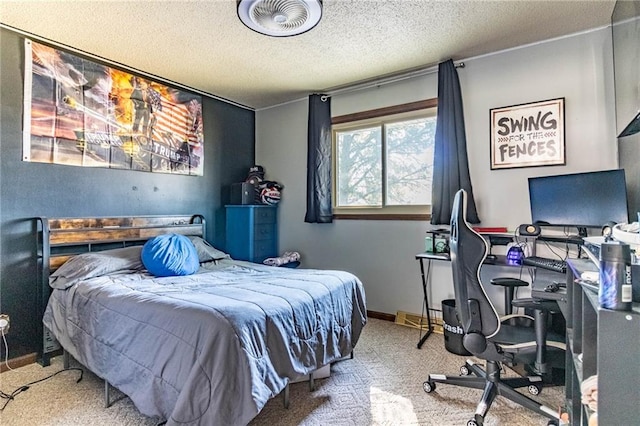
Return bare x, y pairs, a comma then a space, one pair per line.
62, 238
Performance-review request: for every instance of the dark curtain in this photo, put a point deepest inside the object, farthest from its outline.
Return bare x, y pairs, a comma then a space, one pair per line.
319, 160
450, 162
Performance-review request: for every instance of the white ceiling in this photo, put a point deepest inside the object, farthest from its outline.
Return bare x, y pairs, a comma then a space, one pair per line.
203, 45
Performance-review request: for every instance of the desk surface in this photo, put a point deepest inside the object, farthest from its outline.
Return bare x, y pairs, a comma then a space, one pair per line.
500, 260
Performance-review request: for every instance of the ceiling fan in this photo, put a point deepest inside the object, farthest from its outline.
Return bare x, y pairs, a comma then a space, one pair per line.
280, 18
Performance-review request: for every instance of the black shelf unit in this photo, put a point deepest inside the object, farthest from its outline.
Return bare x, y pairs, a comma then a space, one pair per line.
602, 342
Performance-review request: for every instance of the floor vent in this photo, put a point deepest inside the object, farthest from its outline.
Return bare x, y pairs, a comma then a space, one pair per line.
417, 321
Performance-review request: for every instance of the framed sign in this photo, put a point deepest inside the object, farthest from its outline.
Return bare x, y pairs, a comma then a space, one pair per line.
528, 135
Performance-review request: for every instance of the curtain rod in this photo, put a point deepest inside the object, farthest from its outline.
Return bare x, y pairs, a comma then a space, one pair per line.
121, 66
385, 80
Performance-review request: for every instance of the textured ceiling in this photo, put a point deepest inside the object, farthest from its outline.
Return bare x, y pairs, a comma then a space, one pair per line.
203, 45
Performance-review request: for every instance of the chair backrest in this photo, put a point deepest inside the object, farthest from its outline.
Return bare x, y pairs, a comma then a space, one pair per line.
468, 251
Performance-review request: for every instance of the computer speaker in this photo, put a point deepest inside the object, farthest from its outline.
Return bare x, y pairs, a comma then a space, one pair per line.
527, 230
242, 193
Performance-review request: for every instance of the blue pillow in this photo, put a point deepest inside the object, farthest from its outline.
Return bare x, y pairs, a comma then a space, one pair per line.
169, 255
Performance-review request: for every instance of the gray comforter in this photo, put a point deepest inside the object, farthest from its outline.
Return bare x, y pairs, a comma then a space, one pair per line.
210, 348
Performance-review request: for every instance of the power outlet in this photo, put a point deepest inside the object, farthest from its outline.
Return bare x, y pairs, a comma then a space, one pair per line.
4, 323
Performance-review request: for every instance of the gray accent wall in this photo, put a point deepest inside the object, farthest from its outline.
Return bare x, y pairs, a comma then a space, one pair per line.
29, 190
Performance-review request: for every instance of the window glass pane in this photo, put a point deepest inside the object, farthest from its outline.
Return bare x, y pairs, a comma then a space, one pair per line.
409, 161
359, 160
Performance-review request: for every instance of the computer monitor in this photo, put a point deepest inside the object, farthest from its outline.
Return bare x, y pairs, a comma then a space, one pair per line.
582, 200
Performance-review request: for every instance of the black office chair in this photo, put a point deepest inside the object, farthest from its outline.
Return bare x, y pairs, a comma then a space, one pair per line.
485, 336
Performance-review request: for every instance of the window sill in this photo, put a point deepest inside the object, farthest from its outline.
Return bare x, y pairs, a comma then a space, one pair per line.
423, 217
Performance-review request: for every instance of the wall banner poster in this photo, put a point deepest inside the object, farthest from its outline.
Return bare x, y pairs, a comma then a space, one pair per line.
528, 135
82, 113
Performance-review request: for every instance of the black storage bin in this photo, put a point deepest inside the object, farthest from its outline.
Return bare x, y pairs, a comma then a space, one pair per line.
453, 332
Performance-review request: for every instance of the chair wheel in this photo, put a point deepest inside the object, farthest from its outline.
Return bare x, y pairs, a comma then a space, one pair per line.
477, 420
428, 387
534, 389
464, 371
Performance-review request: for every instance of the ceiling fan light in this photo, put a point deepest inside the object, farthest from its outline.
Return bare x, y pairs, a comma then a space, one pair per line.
280, 18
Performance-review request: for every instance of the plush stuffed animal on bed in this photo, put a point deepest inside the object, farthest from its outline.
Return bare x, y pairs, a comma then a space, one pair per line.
170, 255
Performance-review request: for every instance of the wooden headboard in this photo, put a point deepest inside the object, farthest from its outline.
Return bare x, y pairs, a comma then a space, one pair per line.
62, 238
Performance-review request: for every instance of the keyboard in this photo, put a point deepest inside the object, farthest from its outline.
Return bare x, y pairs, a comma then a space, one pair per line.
542, 262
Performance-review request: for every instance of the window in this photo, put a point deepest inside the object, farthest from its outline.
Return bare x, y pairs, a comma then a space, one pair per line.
383, 162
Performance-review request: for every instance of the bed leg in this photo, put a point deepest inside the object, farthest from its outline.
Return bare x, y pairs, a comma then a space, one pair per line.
65, 359
312, 384
106, 394
285, 395
351, 354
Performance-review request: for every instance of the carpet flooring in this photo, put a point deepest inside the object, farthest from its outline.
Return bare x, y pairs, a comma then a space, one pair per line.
381, 385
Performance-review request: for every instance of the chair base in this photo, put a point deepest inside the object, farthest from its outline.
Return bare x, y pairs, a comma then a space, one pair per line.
493, 385
551, 371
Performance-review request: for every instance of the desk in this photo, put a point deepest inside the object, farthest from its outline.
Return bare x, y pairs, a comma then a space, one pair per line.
426, 278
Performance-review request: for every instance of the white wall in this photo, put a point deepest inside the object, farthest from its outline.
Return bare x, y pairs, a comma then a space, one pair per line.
382, 253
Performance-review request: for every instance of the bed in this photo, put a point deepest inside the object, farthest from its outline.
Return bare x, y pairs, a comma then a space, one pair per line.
209, 348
